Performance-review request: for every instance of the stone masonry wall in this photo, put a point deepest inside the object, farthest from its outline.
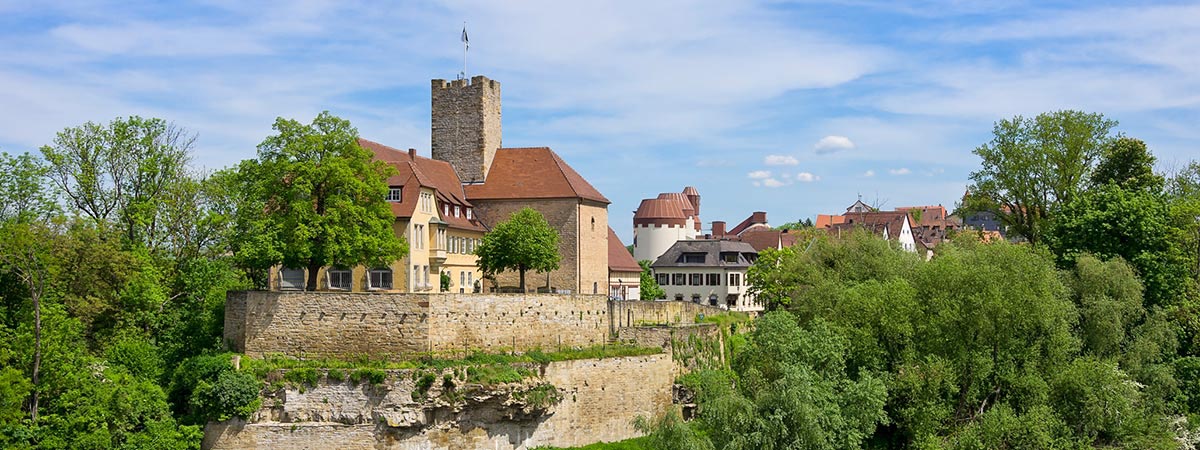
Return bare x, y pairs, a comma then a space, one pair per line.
563, 216
639, 313
517, 321
465, 123
599, 399
326, 324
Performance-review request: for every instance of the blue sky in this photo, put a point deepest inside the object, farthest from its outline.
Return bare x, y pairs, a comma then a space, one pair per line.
790, 107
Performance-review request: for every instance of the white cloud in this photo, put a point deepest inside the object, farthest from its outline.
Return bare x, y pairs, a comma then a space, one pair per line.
807, 177
869, 173
832, 143
759, 174
900, 171
773, 183
780, 160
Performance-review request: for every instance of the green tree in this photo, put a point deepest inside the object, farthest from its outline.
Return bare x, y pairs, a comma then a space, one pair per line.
649, 288
27, 244
121, 171
1127, 163
794, 391
1033, 166
323, 199
1108, 221
523, 242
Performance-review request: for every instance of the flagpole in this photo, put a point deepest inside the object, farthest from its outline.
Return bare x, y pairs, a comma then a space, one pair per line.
463, 75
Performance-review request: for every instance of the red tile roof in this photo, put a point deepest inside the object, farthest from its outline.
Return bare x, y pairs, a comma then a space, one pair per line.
876, 221
619, 259
764, 239
522, 173
414, 172
758, 218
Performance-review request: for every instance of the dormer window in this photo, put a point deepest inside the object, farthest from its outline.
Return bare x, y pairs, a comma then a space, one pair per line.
456, 211
445, 210
468, 213
393, 194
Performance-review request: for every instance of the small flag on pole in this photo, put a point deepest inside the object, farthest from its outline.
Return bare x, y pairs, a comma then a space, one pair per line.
465, 41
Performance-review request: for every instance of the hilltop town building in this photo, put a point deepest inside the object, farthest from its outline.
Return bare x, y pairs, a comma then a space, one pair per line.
708, 271
432, 214
659, 222
624, 274
500, 181
444, 205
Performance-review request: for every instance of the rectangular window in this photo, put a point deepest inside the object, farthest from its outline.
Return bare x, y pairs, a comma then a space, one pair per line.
679, 279
730, 257
735, 279
291, 279
446, 210
697, 279
713, 279
416, 277
468, 213
425, 269
471, 281
694, 258
393, 194
380, 279
663, 279
339, 279
457, 211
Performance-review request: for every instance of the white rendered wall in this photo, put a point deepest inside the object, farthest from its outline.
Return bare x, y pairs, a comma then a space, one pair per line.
650, 242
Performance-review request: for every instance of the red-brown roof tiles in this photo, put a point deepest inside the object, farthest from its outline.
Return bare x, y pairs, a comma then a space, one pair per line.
619, 259
520, 173
414, 172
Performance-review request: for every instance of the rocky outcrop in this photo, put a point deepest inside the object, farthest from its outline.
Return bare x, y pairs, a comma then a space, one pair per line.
565, 404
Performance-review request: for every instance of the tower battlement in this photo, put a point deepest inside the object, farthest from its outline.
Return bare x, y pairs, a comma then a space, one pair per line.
465, 125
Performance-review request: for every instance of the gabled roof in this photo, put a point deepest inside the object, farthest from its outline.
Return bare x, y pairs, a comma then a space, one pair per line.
712, 249
756, 219
764, 239
536, 172
619, 259
826, 220
415, 172
892, 221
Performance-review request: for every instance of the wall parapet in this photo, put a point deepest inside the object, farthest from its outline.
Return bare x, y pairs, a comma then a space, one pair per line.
393, 325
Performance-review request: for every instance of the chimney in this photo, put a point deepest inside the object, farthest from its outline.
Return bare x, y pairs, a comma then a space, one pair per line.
758, 217
718, 228
412, 154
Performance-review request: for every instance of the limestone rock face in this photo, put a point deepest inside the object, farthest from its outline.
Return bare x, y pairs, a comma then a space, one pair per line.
569, 403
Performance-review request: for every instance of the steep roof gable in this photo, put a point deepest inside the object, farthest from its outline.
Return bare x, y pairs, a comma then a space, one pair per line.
536, 172
414, 172
619, 259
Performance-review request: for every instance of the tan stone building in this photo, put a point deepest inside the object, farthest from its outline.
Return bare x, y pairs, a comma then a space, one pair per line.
466, 132
444, 204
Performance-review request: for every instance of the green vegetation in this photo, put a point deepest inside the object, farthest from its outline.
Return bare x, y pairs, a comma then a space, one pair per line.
523, 242
641, 443
324, 199
648, 288
1085, 339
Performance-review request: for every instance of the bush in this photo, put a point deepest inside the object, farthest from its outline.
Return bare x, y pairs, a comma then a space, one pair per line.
188, 376
304, 376
373, 376
234, 394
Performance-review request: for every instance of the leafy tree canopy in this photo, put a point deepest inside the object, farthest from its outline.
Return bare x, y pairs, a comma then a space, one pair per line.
649, 288
523, 242
1032, 166
315, 199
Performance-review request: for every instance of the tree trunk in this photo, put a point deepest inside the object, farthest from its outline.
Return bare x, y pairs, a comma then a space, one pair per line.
37, 353
522, 270
313, 269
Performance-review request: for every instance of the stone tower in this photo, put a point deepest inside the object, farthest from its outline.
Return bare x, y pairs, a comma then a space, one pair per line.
466, 125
